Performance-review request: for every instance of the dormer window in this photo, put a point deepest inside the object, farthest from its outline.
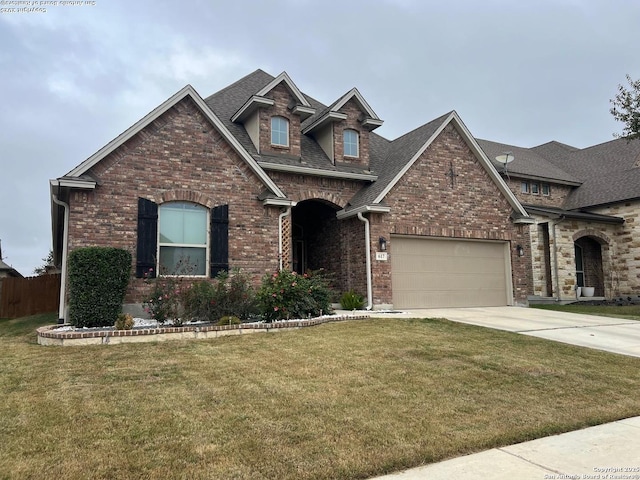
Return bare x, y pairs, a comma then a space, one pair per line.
351, 147
279, 131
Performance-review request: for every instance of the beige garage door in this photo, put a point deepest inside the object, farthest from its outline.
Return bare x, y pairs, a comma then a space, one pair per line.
429, 273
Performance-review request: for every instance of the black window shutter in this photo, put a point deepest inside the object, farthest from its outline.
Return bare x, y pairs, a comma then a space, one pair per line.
147, 238
219, 239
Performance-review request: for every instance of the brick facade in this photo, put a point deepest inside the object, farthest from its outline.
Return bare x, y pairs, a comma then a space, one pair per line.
282, 97
557, 193
353, 112
180, 156
425, 203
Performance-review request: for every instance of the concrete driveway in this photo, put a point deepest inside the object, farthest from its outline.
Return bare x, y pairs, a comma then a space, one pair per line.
602, 333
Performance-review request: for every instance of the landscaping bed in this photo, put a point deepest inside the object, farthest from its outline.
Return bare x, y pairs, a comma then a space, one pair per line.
154, 332
348, 400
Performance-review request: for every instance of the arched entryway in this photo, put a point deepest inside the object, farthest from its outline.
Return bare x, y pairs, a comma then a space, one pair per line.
315, 237
588, 259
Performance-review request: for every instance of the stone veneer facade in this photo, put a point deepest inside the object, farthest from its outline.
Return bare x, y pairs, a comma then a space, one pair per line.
620, 245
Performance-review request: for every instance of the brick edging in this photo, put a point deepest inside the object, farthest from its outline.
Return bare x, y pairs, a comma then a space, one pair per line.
49, 331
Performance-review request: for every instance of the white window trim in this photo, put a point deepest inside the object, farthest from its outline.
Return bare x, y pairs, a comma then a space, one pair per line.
207, 245
548, 189
286, 121
537, 186
527, 187
357, 134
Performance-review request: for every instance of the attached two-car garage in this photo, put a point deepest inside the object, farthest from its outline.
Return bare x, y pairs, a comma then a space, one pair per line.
435, 272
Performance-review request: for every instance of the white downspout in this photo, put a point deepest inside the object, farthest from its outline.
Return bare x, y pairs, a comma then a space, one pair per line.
367, 241
65, 247
281, 217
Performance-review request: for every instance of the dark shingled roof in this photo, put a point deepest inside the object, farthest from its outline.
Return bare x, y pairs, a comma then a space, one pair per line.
606, 173
526, 162
602, 174
611, 173
228, 101
389, 158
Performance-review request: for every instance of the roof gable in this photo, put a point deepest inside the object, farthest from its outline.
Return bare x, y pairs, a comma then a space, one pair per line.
332, 113
284, 78
187, 91
433, 132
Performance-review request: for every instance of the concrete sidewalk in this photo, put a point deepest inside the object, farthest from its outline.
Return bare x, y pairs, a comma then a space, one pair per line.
610, 451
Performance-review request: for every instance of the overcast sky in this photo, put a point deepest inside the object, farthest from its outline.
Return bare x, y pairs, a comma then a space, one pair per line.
517, 72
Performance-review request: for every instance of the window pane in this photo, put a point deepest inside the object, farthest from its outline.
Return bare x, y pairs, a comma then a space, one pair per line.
534, 188
279, 131
546, 189
195, 226
183, 261
171, 224
524, 187
578, 254
350, 143
183, 223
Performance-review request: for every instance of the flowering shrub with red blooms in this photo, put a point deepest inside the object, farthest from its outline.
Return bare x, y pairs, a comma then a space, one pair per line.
164, 302
287, 295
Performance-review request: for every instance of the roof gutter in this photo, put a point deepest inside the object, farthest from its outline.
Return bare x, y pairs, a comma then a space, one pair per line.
342, 214
369, 177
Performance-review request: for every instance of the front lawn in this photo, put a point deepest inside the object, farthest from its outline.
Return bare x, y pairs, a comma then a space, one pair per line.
631, 312
345, 400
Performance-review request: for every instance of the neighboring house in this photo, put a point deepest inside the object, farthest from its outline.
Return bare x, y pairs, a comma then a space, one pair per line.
260, 176
7, 270
586, 206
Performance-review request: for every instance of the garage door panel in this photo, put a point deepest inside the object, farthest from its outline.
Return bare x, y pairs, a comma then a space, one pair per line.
441, 273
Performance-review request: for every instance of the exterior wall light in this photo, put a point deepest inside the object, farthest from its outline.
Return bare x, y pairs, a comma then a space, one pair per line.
520, 251
383, 244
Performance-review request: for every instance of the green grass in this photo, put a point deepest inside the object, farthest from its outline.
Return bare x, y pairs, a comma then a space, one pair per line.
631, 312
346, 400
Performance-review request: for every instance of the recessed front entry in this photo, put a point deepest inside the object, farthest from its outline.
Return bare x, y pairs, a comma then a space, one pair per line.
432, 273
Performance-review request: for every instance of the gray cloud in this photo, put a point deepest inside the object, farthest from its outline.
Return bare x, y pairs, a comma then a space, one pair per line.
517, 72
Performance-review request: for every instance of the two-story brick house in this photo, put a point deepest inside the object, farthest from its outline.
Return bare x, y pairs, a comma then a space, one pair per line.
260, 176
586, 207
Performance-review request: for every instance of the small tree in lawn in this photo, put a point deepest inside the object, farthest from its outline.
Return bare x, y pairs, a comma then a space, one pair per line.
626, 109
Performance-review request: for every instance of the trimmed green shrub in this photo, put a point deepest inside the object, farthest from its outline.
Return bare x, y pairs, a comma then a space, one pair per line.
124, 322
287, 295
98, 280
230, 294
351, 301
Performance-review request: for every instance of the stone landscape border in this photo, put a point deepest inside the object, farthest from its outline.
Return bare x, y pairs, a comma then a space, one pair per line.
48, 335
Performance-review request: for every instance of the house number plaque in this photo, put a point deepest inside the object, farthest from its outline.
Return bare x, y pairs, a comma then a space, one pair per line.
381, 256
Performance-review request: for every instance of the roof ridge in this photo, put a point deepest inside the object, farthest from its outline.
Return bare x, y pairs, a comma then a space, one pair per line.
234, 84
441, 117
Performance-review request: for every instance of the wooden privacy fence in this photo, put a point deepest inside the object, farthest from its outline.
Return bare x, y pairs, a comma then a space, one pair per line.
20, 297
